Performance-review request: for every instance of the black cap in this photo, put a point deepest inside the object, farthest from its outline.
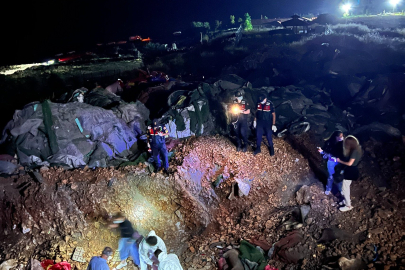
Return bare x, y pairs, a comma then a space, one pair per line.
155, 121
262, 96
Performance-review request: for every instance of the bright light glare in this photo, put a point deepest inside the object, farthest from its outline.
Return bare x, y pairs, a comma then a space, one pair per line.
235, 109
347, 7
51, 62
13, 69
140, 212
394, 2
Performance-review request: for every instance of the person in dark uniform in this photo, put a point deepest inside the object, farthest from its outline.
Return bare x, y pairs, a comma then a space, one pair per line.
265, 123
240, 111
157, 135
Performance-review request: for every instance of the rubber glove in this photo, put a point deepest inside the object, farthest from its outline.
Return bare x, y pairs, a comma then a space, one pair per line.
274, 128
254, 124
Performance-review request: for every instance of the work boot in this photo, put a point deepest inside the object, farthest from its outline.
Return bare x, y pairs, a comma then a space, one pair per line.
271, 150
158, 169
238, 149
244, 150
166, 171
257, 151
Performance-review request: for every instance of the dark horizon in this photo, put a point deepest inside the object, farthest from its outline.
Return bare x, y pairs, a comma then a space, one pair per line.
36, 31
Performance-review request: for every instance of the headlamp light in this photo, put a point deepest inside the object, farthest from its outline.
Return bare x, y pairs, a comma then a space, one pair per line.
235, 109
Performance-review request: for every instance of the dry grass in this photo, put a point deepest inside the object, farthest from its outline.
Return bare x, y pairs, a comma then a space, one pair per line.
386, 37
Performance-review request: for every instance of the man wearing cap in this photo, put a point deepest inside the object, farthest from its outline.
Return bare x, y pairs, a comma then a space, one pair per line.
240, 110
265, 123
157, 135
100, 262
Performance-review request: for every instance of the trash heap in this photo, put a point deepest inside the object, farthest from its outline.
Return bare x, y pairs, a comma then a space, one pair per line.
75, 134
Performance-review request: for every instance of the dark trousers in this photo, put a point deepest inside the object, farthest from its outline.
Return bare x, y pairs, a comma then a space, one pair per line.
263, 128
160, 151
241, 131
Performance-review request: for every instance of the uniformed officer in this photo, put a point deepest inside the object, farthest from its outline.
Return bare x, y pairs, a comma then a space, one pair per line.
240, 110
157, 144
265, 123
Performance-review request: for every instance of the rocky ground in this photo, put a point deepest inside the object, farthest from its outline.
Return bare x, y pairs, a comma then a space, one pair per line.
199, 209
71, 209
375, 223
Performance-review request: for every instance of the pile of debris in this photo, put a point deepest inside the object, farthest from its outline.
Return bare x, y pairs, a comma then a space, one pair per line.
212, 174
76, 134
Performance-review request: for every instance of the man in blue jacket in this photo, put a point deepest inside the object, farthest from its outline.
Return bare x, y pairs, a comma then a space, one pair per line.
100, 262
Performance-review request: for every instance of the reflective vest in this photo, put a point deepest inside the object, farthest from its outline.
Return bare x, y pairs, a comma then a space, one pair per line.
156, 135
158, 131
264, 107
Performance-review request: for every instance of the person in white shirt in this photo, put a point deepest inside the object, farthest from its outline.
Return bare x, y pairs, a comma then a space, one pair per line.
167, 261
147, 248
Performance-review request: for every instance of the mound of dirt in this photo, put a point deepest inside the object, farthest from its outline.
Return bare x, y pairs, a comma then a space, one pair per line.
191, 211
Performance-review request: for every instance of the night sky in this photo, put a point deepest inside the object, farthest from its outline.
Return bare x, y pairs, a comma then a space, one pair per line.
37, 29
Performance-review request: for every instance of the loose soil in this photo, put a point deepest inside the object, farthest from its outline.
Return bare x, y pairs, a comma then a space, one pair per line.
72, 208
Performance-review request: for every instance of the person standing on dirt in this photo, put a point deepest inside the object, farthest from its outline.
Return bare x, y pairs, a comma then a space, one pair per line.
332, 150
265, 123
126, 245
100, 262
157, 135
147, 248
240, 111
352, 152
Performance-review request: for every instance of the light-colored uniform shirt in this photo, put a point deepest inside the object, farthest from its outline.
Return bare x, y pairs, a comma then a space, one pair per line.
146, 252
169, 262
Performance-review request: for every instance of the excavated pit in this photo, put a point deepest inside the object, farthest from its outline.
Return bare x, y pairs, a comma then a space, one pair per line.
71, 209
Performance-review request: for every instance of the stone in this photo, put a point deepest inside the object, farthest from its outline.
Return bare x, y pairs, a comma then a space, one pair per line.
34, 265
178, 214
44, 169
38, 177
192, 249
303, 195
376, 231
7, 265
304, 211
353, 264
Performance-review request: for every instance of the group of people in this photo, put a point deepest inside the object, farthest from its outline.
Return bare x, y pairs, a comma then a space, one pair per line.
343, 155
264, 122
148, 253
